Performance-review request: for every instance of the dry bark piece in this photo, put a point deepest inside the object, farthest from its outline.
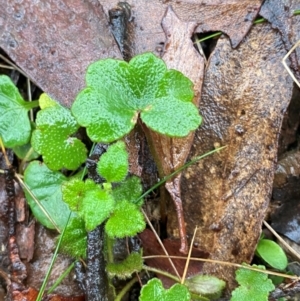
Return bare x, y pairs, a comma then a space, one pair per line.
244, 97
31, 294
25, 240
280, 13
171, 153
45, 244
234, 17
18, 269
54, 42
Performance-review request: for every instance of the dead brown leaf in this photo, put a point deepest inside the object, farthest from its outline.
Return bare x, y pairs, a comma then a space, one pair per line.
245, 94
280, 14
54, 42
171, 153
233, 17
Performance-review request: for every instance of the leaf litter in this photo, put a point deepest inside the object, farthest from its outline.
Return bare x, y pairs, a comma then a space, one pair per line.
219, 125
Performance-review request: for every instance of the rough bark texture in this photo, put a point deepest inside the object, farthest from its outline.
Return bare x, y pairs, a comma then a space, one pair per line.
245, 94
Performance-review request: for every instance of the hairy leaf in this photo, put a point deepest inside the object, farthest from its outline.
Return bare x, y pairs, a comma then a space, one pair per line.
53, 139
129, 190
46, 101
123, 270
45, 185
205, 285
113, 165
154, 291
74, 242
117, 92
89, 200
126, 220
253, 285
15, 128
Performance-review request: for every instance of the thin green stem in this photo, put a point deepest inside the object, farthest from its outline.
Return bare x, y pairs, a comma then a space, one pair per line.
165, 179
43, 287
23, 162
126, 288
164, 273
110, 246
60, 278
31, 104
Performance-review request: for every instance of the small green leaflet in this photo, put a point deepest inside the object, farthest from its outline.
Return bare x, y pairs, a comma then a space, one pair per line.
118, 92
46, 101
272, 254
113, 165
154, 291
74, 242
15, 128
45, 185
123, 270
253, 285
89, 200
131, 189
126, 220
205, 285
53, 139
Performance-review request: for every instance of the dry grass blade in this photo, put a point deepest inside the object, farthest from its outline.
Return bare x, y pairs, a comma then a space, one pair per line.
161, 244
188, 257
287, 67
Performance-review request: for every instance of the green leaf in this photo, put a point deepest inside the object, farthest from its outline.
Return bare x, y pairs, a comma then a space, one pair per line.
74, 242
89, 200
123, 270
45, 185
15, 128
253, 285
46, 101
27, 151
113, 165
154, 291
205, 285
53, 139
117, 92
272, 254
126, 220
129, 190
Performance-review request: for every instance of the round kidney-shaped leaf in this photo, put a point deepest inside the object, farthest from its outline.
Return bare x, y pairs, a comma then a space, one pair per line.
45, 185
53, 139
154, 291
15, 128
117, 92
113, 165
126, 220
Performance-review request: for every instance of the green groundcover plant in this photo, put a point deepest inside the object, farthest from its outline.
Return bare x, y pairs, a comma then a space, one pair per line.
116, 95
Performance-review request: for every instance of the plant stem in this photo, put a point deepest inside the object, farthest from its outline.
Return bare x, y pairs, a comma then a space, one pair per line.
43, 287
31, 104
110, 251
60, 279
164, 273
126, 288
166, 178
